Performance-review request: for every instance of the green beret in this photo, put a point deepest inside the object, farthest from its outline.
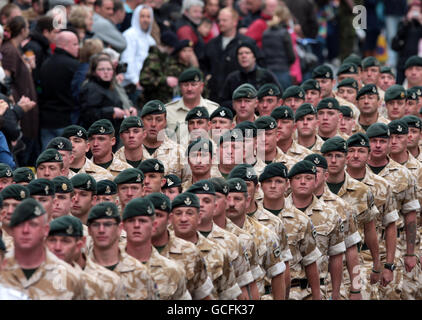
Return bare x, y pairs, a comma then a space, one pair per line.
304, 110
49, 155
202, 187
248, 129
198, 113
349, 82
411, 94
388, 70
185, 199
300, 167
413, 61
328, 103
104, 210
200, 145
398, 126
378, 130
160, 201
60, 143
334, 144
131, 122
245, 90
172, 181
244, 171
237, 185
318, 160
75, 131
84, 181
282, 112
275, 169
15, 191
269, 89
28, 209
62, 185
367, 89
5, 171
353, 58
348, 68
2, 246
151, 165
266, 123
130, 175
106, 187
418, 90
323, 71
23, 174
222, 112
102, 126
295, 92
68, 226
231, 135
41, 187
138, 207
220, 185
358, 140
413, 121
395, 92
370, 62
346, 111
310, 84
153, 107
191, 74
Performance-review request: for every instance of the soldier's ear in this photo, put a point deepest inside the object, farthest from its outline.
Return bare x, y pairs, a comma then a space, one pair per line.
113, 141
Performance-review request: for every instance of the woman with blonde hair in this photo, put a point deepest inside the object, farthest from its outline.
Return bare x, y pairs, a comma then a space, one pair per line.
80, 18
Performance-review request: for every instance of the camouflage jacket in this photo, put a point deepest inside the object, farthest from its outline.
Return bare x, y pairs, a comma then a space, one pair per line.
97, 172
297, 152
358, 128
117, 166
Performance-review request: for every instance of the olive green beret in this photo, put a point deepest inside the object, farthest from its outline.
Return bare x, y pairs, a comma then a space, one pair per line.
244, 171
318, 160
367, 89
413, 121
358, 140
348, 68
353, 58
247, 128
185, 199
378, 130
102, 126
60, 143
138, 207
304, 110
41, 187
200, 145
75, 131
398, 126
349, 82
220, 185
5, 171
84, 181
269, 89
346, 111
370, 62
2, 246
413, 61
222, 112
153, 107
310, 84
418, 90
328, 103
62, 185
395, 92
23, 174
334, 144
388, 70
172, 181
160, 201
151, 165
68, 226
266, 123
300, 167
106, 187
282, 112
28, 209
191, 74
15, 191
202, 187
231, 135
104, 210
131, 122
295, 92
245, 90
323, 71
49, 155
411, 94
130, 175
198, 113
275, 169
237, 185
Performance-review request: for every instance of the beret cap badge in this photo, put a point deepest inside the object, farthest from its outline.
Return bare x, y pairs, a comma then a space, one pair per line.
109, 211
69, 230
102, 130
188, 201
238, 186
37, 211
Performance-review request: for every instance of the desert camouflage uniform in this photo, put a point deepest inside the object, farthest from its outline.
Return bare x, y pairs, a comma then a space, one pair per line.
8, 240
235, 119
297, 152
316, 148
93, 288
117, 166
71, 174
358, 128
415, 168
283, 158
344, 102
97, 172
120, 154
54, 279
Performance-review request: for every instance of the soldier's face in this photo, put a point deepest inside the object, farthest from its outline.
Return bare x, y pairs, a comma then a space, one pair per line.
346, 125
231, 152
191, 90
198, 128
285, 129
105, 232
65, 248
138, 229
101, 145
395, 109
312, 96
153, 182
133, 138
303, 184
379, 147
9, 205
411, 107
4, 182
185, 221
207, 207
267, 104
321, 177
236, 205
306, 126
79, 147
220, 204
200, 162
328, 121
47, 203
82, 201
129, 191
268, 140
219, 126
110, 198
368, 104
61, 205
370, 75
67, 158
274, 188
159, 226
245, 107
30, 234
326, 86
293, 103
153, 124
398, 143
357, 157
385, 81
336, 161
413, 137
414, 74
347, 93
171, 192
49, 170
252, 187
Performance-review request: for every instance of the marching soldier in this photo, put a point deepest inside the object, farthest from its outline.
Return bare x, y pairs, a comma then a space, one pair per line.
172, 187
64, 147
306, 122
347, 121
294, 97
221, 120
153, 180
107, 191
329, 117
312, 91
269, 97
132, 135
22, 176
129, 186
244, 103
84, 198
49, 164
348, 90
198, 121
63, 193
43, 191
395, 102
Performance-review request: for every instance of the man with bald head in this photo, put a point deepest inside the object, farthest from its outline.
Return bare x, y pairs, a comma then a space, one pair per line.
57, 108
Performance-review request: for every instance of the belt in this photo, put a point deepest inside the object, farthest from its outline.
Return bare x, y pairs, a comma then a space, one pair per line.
399, 230
362, 247
303, 283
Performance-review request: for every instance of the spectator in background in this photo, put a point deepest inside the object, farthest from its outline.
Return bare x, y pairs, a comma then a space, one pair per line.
211, 9
130, 6
373, 28
305, 13
257, 28
254, 8
119, 13
81, 19
36, 11
8, 12
204, 29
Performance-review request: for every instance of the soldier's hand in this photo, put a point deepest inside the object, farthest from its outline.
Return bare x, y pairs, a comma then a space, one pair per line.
374, 277
409, 263
118, 113
3, 107
172, 81
387, 277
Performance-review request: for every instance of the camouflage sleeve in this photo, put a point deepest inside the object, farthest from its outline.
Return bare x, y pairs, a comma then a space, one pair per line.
351, 232
253, 256
200, 286
410, 202
120, 291
336, 242
229, 289
286, 254
389, 210
370, 213
241, 267
273, 265
308, 247
152, 74
181, 292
